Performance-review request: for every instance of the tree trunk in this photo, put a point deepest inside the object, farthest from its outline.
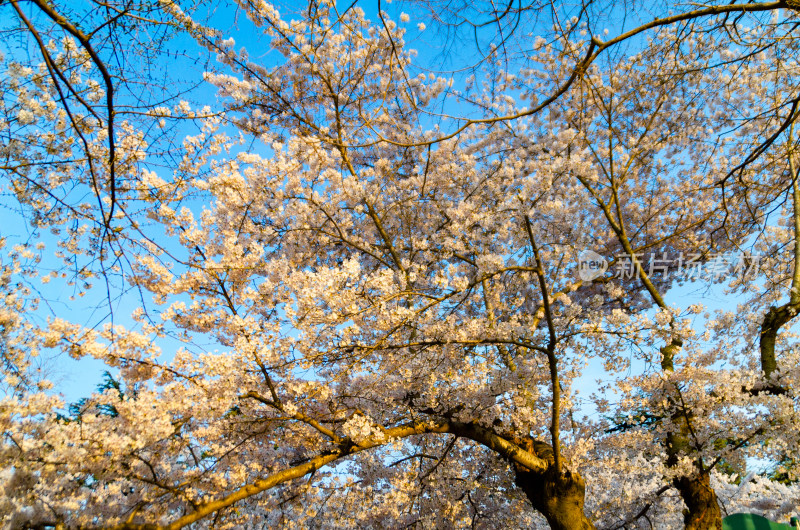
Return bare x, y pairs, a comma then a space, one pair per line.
557, 496
702, 509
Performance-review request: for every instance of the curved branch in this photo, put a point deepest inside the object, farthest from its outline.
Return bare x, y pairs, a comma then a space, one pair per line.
473, 431
596, 47
98, 62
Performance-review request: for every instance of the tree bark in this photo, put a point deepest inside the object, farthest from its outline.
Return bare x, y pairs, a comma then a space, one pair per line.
558, 495
702, 509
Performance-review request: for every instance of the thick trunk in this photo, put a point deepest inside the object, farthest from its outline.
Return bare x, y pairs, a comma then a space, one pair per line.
557, 496
702, 509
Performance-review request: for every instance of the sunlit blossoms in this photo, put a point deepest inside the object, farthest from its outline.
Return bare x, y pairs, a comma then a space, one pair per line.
334, 277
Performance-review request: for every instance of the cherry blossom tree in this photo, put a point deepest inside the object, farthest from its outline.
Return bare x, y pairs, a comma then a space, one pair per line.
372, 270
